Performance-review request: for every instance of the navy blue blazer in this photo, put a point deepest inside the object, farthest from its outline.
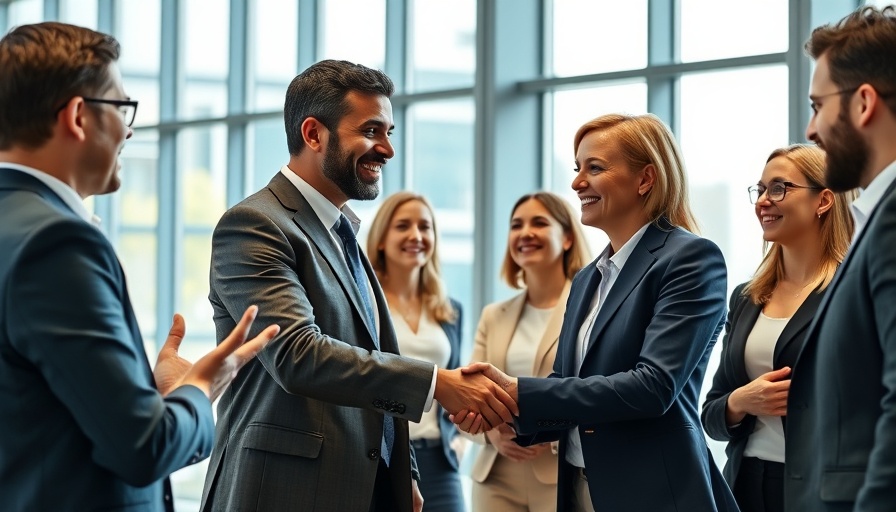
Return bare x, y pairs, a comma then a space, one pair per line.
447, 428
732, 372
841, 411
634, 401
83, 426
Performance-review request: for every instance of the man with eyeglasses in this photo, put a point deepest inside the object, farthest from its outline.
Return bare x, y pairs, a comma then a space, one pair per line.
85, 423
841, 412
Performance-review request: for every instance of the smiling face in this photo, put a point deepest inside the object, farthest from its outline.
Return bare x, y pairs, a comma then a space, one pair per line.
793, 217
832, 130
359, 148
609, 189
536, 240
409, 240
105, 134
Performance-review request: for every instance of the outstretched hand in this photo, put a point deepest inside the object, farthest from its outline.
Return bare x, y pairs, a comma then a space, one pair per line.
216, 370
474, 391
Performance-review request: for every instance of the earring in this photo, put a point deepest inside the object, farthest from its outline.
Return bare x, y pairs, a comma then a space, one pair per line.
819, 216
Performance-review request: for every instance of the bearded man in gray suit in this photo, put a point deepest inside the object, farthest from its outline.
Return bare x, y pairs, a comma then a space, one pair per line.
319, 421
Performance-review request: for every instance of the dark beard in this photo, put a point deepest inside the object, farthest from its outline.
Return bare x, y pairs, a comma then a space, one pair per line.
847, 156
340, 168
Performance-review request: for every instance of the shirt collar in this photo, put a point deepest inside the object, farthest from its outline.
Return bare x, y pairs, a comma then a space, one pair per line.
872, 194
60, 188
325, 210
625, 251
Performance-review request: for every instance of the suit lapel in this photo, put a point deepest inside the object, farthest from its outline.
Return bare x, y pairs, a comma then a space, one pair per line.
577, 306
800, 320
637, 265
743, 324
309, 223
511, 311
551, 332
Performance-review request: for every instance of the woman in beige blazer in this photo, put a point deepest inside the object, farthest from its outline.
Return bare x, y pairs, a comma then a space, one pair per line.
545, 248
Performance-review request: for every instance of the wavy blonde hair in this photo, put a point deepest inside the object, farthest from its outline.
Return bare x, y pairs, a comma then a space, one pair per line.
835, 227
574, 258
646, 140
432, 288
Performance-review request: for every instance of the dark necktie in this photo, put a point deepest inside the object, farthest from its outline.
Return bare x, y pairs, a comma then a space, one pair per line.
353, 259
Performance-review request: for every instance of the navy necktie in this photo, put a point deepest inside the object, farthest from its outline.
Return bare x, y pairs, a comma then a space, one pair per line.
353, 259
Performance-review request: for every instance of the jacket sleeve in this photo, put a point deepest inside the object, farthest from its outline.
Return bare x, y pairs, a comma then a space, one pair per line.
70, 301
724, 383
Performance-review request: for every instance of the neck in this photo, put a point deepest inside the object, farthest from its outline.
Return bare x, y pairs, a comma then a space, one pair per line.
802, 261
401, 284
543, 289
308, 168
45, 159
623, 231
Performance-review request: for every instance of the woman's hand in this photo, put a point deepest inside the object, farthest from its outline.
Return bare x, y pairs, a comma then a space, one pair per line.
765, 396
502, 438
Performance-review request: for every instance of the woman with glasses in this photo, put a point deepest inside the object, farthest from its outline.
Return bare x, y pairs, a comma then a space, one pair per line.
545, 249
807, 230
401, 246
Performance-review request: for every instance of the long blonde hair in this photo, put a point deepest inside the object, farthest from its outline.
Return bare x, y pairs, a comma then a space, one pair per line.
836, 228
432, 289
646, 140
574, 258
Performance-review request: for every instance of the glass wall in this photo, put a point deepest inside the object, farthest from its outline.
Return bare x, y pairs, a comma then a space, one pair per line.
489, 95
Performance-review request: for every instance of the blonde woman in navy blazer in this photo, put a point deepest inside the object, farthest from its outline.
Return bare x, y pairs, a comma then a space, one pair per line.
545, 249
622, 398
807, 229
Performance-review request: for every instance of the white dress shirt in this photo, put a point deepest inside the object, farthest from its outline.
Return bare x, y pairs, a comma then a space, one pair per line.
864, 205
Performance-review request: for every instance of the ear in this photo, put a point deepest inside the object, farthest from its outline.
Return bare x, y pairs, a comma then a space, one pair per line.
869, 101
826, 202
567, 241
71, 119
314, 134
648, 178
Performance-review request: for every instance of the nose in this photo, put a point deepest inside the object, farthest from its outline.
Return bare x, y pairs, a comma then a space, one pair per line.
415, 233
811, 132
130, 133
579, 182
385, 148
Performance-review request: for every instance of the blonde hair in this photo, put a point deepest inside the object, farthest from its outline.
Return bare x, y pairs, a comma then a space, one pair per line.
574, 258
432, 289
646, 140
836, 227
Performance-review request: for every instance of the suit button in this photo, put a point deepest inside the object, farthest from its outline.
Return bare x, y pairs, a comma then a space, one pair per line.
400, 409
373, 454
378, 403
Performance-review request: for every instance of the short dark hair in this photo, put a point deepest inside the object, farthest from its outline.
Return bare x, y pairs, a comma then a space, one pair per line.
43, 66
320, 91
859, 49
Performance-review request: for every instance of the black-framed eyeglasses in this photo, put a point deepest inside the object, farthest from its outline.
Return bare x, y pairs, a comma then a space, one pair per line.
812, 99
776, 191
127, 108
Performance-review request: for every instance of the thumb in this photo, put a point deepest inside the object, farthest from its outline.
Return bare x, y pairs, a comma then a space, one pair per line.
777, 375
175, 333
475, 368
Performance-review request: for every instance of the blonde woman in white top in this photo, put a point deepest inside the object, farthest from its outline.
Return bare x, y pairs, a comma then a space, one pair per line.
545, 248
401, 247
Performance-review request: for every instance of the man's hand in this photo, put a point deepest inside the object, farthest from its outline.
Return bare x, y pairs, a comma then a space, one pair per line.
170, 367
477, 393
417, 497
213, 372
500, 378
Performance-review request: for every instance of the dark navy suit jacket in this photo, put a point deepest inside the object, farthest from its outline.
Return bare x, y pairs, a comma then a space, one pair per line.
83, 426
634, 401
732, 372
841, 411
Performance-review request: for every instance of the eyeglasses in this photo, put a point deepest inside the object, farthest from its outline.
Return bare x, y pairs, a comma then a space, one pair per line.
127, 108
776, 191
812, 99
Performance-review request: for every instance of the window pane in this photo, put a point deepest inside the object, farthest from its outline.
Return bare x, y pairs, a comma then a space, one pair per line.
275, 55
704, 38
597, 37
443, 52
146, 91
354, 30
78, 12
24, 12
267, 151
572, 109
206, 48
441, 168
139, 32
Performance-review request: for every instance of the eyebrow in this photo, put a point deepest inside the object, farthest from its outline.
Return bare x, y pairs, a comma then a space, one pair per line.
377, 123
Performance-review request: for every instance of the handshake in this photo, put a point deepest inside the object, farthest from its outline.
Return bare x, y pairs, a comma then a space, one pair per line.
479, 397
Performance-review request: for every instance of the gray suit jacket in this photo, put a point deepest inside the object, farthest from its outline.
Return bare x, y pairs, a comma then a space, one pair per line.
300, 427
82, 426
841, 412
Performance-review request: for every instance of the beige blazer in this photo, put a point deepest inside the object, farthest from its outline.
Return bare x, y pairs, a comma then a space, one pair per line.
496, 327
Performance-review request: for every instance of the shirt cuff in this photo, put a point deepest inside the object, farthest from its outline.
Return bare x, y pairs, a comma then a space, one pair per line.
432, 389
